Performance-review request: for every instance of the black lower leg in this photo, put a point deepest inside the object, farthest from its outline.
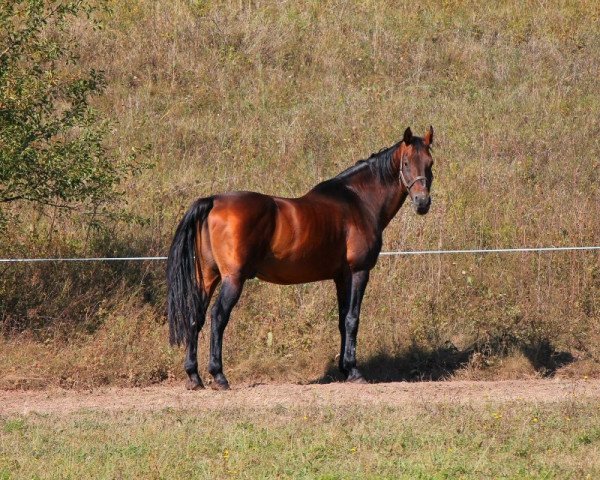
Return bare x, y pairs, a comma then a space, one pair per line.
349, 357
191, 361
352, 320
342, 286
228, 297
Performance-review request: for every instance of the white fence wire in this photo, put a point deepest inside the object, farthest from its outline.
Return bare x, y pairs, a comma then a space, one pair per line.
383, 254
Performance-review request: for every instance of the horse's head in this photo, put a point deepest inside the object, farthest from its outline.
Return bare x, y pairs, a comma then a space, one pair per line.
415, 168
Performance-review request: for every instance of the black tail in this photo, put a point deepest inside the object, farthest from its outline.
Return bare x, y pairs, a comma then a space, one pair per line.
186, 302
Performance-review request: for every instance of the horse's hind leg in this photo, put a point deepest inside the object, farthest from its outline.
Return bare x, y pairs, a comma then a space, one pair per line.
191, 355
228, 297
191, 361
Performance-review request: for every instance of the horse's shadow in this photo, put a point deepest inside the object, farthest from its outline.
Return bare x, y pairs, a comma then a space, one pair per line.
545, 358
419, 364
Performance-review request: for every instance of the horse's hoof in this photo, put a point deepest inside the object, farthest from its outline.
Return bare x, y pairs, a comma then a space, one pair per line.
191, 385
220, 385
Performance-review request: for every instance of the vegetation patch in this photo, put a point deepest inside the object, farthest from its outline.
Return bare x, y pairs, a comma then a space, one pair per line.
495, 440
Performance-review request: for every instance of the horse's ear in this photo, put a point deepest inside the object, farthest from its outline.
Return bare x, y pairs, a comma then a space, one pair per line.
407, 136
428, 139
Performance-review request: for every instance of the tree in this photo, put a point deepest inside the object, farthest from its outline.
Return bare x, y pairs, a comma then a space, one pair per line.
52, 141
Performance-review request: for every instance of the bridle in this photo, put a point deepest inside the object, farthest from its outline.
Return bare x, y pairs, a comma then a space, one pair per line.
414, 180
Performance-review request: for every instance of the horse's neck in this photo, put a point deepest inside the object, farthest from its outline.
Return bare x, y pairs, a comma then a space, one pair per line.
396, 197
383, 201
396, 194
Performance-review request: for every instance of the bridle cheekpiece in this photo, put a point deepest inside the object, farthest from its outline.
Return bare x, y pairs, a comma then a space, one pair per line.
414, 180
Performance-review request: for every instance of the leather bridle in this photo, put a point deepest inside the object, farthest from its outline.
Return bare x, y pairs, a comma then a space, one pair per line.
414, 180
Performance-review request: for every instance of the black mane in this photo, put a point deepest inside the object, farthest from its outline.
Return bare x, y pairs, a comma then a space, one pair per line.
380, 164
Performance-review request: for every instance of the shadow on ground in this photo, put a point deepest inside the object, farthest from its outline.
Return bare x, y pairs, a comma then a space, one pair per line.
418, 364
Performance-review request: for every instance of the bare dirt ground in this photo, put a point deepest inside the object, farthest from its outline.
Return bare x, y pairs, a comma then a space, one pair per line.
289, 395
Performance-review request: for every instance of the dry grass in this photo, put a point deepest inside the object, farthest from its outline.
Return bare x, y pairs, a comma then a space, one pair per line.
276, 96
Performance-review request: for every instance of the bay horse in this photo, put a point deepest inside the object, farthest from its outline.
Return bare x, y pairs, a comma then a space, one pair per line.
334, 232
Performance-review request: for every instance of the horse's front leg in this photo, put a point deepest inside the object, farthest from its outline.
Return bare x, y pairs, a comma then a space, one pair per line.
342, 285
231, 290
356, 289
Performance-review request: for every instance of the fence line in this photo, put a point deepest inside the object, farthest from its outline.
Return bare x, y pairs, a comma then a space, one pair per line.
492, 250
383, 254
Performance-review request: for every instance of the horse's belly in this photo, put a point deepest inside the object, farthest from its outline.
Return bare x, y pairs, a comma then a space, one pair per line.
286, 271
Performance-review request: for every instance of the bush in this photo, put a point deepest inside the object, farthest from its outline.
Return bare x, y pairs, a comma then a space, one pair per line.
52, 140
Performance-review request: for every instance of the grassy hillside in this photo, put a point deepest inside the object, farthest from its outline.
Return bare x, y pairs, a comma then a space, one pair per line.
277, 96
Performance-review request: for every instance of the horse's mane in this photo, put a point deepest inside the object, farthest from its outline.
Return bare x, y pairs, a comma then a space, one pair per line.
380, 164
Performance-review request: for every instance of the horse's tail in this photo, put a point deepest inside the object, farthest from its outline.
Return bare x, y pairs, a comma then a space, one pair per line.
186, 299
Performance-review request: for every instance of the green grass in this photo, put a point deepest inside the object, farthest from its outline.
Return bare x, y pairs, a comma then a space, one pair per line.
437, 441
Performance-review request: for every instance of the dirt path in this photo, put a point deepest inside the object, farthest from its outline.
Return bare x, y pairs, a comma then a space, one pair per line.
174, 396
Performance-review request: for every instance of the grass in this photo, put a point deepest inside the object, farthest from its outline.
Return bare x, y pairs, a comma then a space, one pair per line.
227, 93
428, 441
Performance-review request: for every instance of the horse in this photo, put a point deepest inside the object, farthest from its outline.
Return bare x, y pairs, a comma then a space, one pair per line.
333, 232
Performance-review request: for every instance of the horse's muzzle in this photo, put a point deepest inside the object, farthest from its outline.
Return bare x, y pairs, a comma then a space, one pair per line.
421, 204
